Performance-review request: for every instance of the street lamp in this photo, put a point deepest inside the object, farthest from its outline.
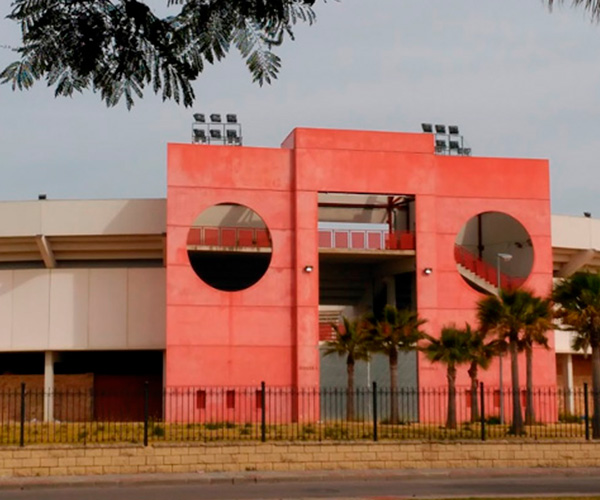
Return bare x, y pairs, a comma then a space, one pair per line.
501, 257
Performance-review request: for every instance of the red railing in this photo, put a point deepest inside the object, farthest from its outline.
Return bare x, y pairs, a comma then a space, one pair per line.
366, 239
231, 237
485, 270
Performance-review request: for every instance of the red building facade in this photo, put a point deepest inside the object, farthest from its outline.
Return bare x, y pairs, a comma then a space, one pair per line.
270, 330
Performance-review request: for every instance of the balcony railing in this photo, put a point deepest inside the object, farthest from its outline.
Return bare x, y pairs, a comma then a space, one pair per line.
229, 237
364, 237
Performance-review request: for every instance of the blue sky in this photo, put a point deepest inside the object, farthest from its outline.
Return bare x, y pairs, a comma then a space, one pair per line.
519, 81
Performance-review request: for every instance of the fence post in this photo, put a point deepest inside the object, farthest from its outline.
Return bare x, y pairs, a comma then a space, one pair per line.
22, 430
482, 409
375, 411
587, 411
263, 412
146, 401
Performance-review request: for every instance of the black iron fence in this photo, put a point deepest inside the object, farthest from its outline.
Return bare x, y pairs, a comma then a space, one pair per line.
32, 416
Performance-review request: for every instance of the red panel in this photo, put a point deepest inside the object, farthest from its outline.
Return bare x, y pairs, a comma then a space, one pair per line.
262, 238
325, 239
341, 239
407, 241
374, 240
245, 238
391, 242
228, 237
194, 236
211, 236
358, 239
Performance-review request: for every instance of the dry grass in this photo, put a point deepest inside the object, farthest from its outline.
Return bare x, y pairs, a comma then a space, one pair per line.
133, 432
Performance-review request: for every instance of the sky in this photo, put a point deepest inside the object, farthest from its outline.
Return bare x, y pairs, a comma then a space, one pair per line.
518, 80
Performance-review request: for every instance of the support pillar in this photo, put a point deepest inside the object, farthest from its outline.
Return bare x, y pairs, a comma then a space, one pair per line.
390, 284
568, 378
49, 359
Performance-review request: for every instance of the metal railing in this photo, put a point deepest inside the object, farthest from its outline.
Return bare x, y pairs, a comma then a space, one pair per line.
484, 270
229, 237
366, 239
276, 413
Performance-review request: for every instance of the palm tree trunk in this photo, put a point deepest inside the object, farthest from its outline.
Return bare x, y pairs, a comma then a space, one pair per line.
596, 391
393, 358
350, 393
474, 386
451, 417
517, 426
529, 411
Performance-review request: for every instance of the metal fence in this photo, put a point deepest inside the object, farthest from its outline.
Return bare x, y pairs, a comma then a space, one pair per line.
31, 416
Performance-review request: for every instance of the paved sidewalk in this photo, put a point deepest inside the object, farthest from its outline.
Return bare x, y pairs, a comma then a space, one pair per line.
13, 483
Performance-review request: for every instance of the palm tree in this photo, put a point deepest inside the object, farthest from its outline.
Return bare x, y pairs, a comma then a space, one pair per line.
578, 301
452, 349
510, 315
536, 333
351, 341
481, 352
396, 330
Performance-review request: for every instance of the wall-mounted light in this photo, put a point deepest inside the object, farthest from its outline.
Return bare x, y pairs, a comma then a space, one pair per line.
427, 271
308, 269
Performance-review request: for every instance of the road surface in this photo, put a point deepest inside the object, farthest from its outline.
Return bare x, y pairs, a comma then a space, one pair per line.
542, 483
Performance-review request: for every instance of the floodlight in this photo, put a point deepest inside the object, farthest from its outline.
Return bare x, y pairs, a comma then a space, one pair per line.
454, 144
440, 145
199, 135
231, 118
215, 118
427, 127
467, 151
453, 129
199, 117
232, 136
215, 134
440, 129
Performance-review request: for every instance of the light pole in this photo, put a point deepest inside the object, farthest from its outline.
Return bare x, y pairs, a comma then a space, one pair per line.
501, 257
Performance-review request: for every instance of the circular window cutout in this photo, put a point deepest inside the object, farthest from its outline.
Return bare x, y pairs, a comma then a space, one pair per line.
493, 250
229, 247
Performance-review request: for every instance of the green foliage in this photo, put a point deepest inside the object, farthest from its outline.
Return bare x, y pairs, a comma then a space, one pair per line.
118, 47
336, 432
578, 301
569, 418
395, 330
590, 6
516, 315
351, 340
158, 430
451, 349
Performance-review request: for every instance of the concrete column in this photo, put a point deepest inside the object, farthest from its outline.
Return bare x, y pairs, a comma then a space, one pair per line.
390, 283
49, 359
568, 380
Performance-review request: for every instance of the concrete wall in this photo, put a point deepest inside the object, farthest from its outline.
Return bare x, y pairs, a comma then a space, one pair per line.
238, 457
70, 309
82, 217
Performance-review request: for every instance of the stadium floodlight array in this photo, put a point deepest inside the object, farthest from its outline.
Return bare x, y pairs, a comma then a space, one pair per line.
215, 130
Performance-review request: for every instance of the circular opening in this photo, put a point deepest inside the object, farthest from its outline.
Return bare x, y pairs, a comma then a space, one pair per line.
229, 247
493, 250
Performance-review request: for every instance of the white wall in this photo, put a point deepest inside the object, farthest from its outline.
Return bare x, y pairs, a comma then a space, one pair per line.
71, 309
82, 217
